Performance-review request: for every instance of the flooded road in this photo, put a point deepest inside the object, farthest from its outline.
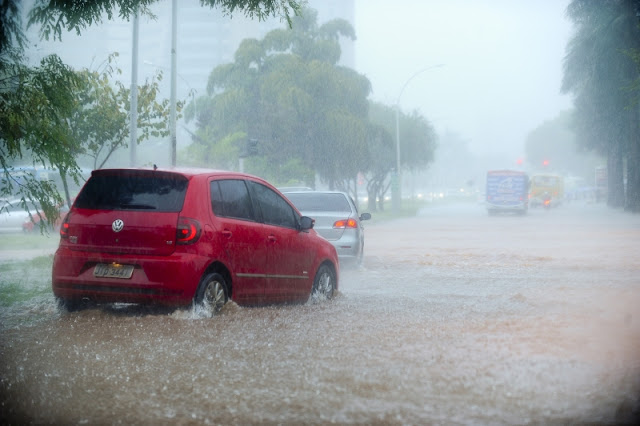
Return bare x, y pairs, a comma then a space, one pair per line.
456, 317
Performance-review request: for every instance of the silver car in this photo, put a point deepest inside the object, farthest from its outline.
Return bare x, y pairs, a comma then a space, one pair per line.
336, 219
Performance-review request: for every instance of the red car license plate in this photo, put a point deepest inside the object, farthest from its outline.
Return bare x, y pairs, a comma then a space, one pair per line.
111, 270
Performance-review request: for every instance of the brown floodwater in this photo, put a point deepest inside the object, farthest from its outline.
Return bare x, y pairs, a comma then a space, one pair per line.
455, 318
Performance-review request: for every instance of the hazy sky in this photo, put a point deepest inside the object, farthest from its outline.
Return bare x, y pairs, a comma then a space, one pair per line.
502, 64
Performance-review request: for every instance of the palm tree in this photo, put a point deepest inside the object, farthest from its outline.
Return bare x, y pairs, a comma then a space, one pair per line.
599, 70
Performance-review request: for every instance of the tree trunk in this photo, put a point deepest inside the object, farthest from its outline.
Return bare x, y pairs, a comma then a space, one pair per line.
371, 203
65, 184
632, 201
372, 192
381, 193
615, 193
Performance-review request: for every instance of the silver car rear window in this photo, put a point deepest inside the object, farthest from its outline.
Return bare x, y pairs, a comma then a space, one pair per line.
320, 202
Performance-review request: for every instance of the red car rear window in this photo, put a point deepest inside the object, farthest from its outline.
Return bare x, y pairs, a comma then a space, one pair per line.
134, 191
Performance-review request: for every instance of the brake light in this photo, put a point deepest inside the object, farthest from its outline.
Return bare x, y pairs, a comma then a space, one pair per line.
345, 223
64, 228
188, 231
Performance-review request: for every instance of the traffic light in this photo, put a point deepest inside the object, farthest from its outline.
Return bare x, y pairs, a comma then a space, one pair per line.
250, 148
545, 163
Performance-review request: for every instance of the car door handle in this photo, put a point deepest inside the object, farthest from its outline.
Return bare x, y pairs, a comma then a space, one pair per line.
272, 238
226, 233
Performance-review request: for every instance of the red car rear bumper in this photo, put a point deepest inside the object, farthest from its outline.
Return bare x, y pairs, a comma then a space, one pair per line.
155, 279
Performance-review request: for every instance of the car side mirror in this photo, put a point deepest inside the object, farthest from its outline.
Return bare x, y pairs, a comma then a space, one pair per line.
365, 216
306, 223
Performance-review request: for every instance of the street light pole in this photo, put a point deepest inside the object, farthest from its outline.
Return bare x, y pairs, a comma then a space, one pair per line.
133, 129
174, 26
396, 179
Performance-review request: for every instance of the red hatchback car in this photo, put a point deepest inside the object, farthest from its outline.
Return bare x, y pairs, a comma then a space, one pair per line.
177, 237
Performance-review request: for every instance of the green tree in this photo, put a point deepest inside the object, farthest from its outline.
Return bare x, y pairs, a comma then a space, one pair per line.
381, 149
289, 172
288, 92
418, 143
36, 103
54, 17
100, 123
35, 107
599, 70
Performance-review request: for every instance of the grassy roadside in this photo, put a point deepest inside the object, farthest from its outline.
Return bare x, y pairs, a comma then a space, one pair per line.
21, 281
409, 208
28, 241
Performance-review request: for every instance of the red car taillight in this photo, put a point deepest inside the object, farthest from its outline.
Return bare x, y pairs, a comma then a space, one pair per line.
64, 228
345, 223
188, 231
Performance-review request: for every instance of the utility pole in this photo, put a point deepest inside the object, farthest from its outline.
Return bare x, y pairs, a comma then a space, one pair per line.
174, 26
133, 129
396, 179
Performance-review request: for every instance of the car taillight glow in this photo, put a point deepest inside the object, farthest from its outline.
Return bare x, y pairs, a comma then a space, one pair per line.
345, 223
64, 228
188, 231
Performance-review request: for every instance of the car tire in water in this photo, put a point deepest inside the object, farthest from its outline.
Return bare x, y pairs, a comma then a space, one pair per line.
212, 293
360, 258
324, 284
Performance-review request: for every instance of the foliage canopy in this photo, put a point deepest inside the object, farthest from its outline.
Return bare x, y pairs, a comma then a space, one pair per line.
602, 71
308, 112
43, 109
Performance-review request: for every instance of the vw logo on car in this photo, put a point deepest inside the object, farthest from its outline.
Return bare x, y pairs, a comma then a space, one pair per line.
117, 225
